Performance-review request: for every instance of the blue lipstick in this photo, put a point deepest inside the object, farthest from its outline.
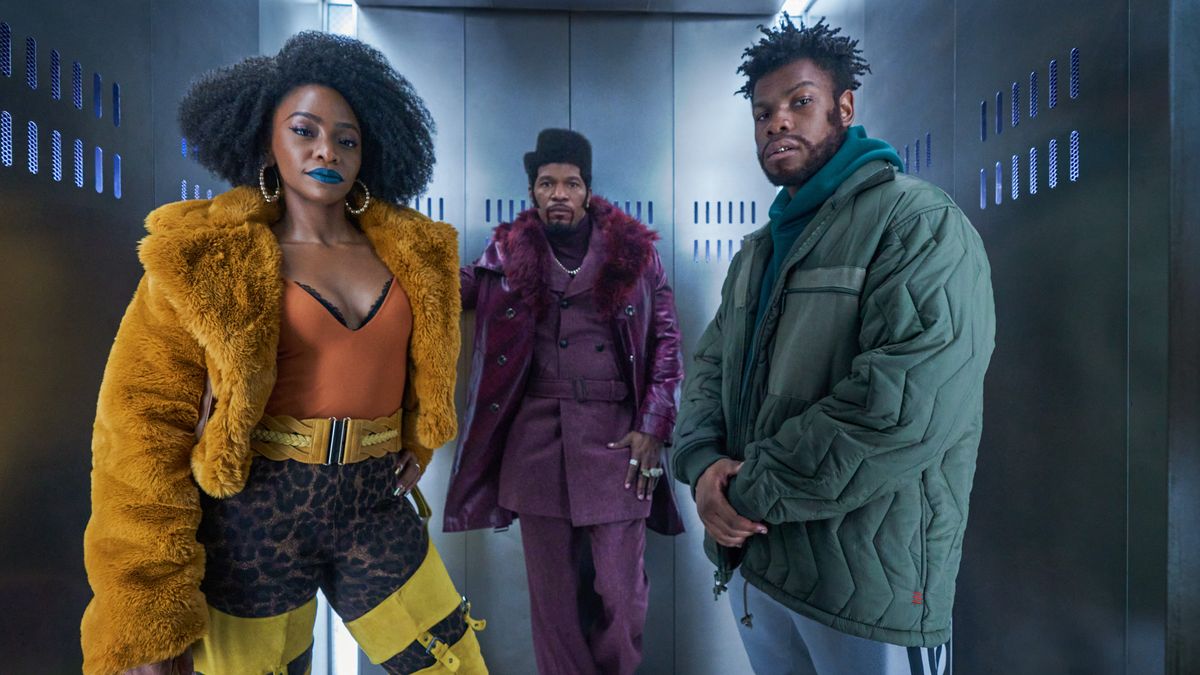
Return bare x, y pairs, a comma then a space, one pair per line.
326, 175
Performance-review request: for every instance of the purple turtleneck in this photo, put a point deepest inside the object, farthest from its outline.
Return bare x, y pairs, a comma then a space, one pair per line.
570, 245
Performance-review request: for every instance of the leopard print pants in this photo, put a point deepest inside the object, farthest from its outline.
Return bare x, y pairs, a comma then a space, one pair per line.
298, 527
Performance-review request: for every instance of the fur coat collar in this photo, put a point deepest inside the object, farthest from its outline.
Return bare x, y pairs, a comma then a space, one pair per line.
521, 252
217, 263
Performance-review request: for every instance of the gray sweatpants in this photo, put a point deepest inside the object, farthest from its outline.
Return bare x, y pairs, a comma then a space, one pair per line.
782, 642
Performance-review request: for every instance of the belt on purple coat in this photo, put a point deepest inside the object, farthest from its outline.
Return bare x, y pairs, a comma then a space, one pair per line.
578, 389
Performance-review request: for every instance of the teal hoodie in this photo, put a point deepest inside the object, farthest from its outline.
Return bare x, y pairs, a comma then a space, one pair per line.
791, 214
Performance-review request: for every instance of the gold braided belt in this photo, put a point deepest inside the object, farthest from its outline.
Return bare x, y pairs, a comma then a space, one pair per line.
326, 440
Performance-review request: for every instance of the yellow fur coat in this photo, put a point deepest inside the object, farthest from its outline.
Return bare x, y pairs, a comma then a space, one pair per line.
209, 303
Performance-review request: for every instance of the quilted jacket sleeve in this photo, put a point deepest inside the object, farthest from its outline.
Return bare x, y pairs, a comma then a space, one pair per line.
140, 550
657, 414
700, 434
916, 388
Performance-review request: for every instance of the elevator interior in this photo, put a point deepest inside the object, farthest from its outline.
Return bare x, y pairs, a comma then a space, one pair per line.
1066, 130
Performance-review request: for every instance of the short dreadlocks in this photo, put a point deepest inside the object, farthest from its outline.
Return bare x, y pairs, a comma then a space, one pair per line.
838, 56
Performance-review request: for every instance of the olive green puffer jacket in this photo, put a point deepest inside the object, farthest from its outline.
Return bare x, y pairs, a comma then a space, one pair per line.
859, 414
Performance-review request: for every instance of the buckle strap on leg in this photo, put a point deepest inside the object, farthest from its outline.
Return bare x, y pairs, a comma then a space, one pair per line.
439, 650
475, 624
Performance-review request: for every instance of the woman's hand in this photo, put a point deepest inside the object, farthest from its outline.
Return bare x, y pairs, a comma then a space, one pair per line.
408, 472
644, 453
180, 665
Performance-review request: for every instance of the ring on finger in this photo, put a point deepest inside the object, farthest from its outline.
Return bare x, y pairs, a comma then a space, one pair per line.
633, 461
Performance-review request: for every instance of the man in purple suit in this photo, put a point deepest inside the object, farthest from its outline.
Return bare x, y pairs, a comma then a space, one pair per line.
572, 396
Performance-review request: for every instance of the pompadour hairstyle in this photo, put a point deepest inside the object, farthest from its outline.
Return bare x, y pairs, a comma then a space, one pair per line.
227, 113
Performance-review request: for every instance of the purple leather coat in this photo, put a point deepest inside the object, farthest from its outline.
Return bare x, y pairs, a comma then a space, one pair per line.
506, 289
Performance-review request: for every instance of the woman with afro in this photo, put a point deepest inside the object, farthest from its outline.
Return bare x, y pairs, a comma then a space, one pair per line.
277, 385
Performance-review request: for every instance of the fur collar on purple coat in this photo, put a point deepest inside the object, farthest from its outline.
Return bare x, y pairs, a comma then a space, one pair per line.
523, 250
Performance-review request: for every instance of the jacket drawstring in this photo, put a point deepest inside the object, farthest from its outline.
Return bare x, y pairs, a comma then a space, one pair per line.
748, 619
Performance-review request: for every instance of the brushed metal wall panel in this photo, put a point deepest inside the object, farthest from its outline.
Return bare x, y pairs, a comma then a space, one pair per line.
621, 82
1044, 555
69, 264
426, 47
720, 195
517, 82
908, 98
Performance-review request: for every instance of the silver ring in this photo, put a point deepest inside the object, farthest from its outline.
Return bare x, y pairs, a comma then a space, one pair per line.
656, 472
633, 462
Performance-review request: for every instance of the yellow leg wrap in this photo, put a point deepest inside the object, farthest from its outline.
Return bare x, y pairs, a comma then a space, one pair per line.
463, 658
240, 646
424, 600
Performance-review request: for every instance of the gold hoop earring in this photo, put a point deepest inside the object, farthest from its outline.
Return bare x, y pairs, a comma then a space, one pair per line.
366, 201
262, 185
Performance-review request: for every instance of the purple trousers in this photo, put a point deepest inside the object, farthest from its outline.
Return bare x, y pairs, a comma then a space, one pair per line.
579, 630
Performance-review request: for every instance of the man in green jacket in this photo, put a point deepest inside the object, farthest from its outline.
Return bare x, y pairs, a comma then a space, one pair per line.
831, 417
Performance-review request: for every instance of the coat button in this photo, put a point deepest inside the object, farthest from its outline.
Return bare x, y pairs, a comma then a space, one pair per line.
502, 359
510, 312
631, 357
564, 303
563, 343
629, 310
600, 347
495, 407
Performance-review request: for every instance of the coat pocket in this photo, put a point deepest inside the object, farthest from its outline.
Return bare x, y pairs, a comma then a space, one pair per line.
817, 334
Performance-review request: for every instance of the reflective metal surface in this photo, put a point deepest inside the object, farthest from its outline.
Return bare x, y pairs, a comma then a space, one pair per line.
1081, 552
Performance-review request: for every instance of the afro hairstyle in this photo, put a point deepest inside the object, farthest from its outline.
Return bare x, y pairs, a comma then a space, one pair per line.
784, 44
227, 113
560, 146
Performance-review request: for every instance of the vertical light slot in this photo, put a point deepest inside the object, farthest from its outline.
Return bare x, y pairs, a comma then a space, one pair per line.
1015, 178
983, 120
917, 154
116, 176
116, 104
1052, 85
1074, 156
99, 170
77, 85
97, 95
1015, 104
56, 155
31, 137
208, 194
1033, 94
999, 183
183, 189
983, 189
999, 112
55, 75
6, 139
196, 191
5, 49
1075, 73
928, 149
1052, 164
31, 75
907, 160
183, 147
1033, 171
77, 156
695, 250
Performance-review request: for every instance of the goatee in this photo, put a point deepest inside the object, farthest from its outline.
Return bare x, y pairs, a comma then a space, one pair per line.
818, 156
